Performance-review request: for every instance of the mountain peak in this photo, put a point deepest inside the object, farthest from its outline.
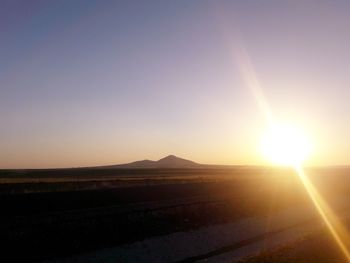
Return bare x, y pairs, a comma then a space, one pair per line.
169, 157
170, 161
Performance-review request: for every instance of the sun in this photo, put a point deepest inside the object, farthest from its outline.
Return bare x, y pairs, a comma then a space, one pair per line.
286, 145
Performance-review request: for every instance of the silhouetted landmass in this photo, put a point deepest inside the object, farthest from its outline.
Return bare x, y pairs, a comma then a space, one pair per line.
170, 161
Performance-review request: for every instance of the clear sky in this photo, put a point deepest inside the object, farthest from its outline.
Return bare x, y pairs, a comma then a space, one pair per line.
102, 82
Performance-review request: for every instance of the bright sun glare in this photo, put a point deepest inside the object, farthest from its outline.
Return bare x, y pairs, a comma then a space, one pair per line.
286, 145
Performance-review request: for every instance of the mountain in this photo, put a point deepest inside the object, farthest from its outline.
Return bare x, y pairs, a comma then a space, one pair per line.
170, 161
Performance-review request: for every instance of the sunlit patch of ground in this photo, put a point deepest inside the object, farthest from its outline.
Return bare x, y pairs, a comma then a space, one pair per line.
316, 248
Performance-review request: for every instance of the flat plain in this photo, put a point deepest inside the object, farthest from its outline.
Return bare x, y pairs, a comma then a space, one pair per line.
59, 214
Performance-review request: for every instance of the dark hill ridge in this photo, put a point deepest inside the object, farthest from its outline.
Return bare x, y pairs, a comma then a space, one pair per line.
171, 161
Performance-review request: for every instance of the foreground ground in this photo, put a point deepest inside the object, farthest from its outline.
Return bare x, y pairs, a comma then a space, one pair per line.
316, 248
53, 215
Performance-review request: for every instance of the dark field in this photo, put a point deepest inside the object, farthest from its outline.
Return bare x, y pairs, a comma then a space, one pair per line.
56, 213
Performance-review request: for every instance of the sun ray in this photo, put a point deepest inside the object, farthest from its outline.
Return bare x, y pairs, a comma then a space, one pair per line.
250, 79
335, 227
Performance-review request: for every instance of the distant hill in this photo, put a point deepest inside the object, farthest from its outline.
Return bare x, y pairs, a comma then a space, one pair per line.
171, 161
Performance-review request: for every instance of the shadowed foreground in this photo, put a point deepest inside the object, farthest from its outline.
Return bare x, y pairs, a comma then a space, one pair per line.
235, 210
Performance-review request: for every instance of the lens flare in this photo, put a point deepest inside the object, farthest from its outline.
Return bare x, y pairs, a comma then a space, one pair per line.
336, 228
285, 145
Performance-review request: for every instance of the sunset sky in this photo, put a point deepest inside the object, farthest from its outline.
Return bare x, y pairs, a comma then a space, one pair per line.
86, 83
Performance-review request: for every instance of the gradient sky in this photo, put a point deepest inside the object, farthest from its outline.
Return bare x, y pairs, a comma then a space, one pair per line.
101, 82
